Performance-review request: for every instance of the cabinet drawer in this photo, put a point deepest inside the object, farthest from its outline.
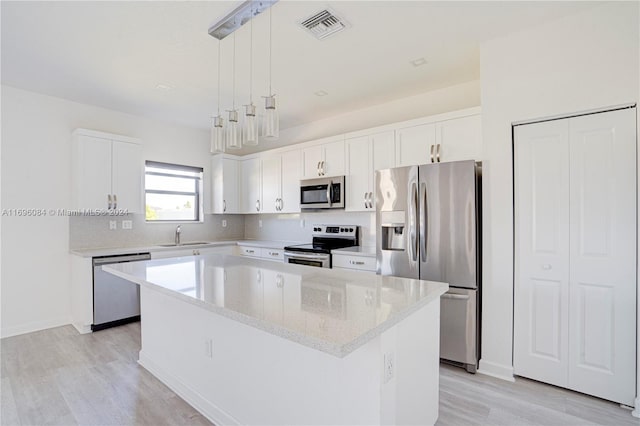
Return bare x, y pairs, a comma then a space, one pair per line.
273, 254
360, 263
249, 251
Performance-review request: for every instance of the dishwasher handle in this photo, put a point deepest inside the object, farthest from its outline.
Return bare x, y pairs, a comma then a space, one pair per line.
120, 259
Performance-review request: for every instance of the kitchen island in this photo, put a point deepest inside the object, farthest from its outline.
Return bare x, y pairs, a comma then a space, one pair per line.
247, 341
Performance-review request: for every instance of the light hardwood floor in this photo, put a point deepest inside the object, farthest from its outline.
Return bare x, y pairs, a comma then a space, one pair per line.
58, 377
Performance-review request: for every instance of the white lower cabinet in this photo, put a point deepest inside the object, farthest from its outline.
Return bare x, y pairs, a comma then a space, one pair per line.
192, 251
358, 263
575, 253
275, 254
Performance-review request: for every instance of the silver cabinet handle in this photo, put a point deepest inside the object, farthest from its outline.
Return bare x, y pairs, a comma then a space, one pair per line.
356, 262
423, 222
370, 200
431, 155
281, 204
109, 201
318, 168
276, 204
258, 205
438, 153
249, 251
115, 202
329, 188
322, 167
365, 200
224, 205
455, 296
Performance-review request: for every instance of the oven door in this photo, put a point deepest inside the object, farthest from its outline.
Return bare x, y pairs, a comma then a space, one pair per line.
324, 193
320, 260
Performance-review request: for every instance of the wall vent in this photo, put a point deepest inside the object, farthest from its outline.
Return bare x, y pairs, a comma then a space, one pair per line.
323, 24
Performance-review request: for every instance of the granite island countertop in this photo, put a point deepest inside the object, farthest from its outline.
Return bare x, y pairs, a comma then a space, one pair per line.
333, 311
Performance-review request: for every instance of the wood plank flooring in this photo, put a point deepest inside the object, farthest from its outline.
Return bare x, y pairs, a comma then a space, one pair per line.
59, 377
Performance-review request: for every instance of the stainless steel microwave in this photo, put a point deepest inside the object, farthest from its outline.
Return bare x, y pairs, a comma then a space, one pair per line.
322, 193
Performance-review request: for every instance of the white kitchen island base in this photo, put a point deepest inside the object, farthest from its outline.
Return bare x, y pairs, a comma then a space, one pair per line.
237, 374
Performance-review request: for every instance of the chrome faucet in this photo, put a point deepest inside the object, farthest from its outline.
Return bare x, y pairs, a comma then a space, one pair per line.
178, 231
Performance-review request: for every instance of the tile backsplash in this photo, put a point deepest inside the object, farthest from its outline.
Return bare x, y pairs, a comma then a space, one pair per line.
298, 226
94, 232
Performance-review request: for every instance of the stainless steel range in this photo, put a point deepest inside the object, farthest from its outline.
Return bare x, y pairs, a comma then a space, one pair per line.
325, 239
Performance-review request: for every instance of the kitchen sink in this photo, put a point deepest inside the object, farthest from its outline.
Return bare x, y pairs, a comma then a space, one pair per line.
193, 243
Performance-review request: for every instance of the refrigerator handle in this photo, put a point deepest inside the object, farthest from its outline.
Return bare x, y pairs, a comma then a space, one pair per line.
414, 222
423, 222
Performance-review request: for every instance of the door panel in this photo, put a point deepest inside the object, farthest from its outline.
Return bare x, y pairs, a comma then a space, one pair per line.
127, 177
290, 182
271, 181
603, 255
311, 158
250, 190
414, 144
541, 251
359, 173
95, 173
460, 139
334, 164
448, 214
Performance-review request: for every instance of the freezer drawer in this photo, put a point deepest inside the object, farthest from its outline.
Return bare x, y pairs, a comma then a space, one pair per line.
459, 327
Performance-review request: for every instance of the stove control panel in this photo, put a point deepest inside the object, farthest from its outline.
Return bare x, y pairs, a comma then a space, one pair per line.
347, 231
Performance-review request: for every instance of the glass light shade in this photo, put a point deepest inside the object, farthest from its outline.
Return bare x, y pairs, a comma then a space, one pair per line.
217, 135
250, 126
270, 122
233, 131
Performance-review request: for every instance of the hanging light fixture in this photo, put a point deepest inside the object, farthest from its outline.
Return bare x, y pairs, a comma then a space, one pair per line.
270, 123
250, 125
233, 129
217, 130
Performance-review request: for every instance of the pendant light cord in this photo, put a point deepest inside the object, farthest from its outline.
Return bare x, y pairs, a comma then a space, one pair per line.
251, 56
270, 54
234, 72
218, 78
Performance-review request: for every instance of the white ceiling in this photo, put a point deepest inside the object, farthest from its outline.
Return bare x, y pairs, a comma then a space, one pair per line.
115, 54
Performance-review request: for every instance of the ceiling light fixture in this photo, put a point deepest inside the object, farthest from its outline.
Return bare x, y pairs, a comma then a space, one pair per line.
217, 130
233, 141
321, 93
161, 86
271, 122
250, 125
418, 62
238, 17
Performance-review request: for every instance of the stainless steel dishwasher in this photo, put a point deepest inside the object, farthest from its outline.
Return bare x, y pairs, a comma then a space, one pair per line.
116, 301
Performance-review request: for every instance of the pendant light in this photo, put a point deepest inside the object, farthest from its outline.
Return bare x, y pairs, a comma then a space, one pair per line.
250, 125
270, 123
217, 130
233, 129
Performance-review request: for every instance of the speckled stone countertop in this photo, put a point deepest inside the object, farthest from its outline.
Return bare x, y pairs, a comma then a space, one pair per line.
110, 251
364, 251
333, 311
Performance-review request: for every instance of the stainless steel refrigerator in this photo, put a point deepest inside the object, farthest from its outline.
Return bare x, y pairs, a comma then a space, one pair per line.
428, 223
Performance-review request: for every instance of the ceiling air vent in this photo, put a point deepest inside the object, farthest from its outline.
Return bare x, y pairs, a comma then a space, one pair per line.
323, 24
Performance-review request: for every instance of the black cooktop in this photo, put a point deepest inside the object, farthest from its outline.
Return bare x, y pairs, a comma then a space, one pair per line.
324, 245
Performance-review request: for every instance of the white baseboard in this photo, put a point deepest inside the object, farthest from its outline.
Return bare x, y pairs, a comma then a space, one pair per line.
30, 327
196, 400
82, 328
636, 411
499, 371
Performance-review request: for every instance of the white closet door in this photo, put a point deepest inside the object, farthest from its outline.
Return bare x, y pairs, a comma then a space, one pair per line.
542, 251
603, 255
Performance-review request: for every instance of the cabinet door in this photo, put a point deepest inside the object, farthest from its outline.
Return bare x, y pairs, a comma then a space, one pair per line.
359, 173
414, 145
334, 164
93, 178
290, 182
230, 186
251, 190
311, 158
460, 139
383, 148
602, 325
217, 184
541, 299
271, 181
127, 176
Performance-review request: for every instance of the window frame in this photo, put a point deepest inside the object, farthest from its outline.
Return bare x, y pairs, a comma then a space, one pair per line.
197, 193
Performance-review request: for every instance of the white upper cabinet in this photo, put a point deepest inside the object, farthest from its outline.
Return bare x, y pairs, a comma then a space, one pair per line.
224, 184
251, 189
326, 159
365, 155
108, 171
281, 182
455, 139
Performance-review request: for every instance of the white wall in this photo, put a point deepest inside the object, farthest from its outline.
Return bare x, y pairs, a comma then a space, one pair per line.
36, 170
580, 62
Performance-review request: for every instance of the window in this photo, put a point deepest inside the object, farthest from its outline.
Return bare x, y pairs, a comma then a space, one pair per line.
172, 192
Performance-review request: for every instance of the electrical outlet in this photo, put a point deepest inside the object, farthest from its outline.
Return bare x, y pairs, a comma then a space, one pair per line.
389, 366
259, 223
208, 348
224, 223
113, 225
127, 224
